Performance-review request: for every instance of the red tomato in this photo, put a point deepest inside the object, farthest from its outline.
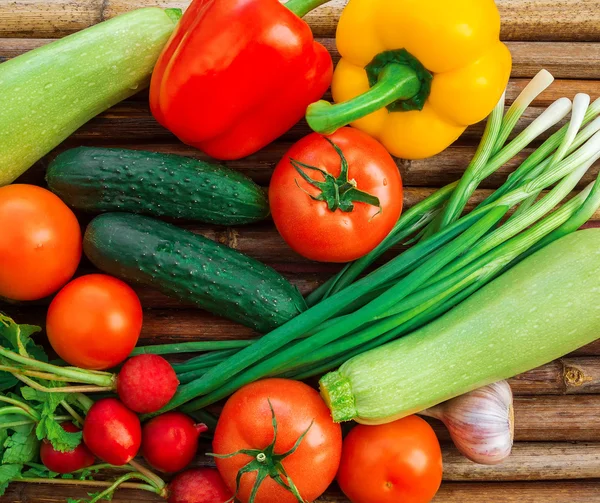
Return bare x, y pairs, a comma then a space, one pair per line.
94, 322
310, 227
399, 461
40, 246
246, 423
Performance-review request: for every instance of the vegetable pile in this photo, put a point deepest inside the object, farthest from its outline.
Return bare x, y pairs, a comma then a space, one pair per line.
475, 296
454, 257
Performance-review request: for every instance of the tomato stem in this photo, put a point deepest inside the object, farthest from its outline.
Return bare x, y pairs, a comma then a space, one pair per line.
267, 464
339, 193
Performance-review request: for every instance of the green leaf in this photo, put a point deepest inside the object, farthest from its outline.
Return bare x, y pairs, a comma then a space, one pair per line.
33, 395
21, 447
36, 471
60, 439
7, 381
8, 473
48, 428
18, 338
87, 474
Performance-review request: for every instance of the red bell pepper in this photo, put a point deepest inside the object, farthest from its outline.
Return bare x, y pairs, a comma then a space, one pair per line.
237, 74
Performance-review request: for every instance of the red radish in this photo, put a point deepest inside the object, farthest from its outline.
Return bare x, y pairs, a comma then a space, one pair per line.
66, 462
146, 383
200, 485
112, 432
170, 441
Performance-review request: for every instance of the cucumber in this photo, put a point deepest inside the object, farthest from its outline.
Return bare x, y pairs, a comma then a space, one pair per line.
191, 268
541, 309
48, 93
165, 185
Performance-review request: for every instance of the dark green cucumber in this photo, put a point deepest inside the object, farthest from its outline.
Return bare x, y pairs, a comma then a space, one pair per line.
192, 268
165, 185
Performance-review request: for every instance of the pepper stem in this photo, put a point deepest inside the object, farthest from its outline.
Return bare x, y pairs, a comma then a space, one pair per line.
302, 7
396, 82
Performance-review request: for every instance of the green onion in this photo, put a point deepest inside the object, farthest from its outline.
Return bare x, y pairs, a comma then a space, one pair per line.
532, 90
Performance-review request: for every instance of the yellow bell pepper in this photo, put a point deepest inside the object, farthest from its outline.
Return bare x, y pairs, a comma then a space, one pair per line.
415, 73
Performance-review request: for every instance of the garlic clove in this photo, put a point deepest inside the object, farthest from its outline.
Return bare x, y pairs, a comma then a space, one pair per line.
481, 422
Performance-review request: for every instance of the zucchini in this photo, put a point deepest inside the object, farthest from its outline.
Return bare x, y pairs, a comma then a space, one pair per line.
191, 268
164, 185
48, 93
543, 308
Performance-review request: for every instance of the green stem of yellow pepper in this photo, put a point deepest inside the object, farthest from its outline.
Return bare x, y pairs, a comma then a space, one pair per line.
303, 7
396, 82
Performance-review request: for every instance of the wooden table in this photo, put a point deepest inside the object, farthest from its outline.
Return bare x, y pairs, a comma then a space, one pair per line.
556, 456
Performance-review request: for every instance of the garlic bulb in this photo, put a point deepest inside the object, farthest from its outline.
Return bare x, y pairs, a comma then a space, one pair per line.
481, 422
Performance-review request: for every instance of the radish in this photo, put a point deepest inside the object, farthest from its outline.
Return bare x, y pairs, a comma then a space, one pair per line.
199, 485
112, 432
170, 441
146, 383
66, 462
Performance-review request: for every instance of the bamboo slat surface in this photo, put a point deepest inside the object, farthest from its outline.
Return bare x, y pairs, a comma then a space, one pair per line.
522, 19
556, 457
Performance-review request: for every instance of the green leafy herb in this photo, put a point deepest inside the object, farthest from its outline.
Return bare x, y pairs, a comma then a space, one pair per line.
8, 473
21, 447
37, 471
48, 428
18, 338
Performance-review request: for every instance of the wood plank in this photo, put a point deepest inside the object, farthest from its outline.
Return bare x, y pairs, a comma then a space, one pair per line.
451, 492
570, 375
48, 18
528, 461
522, 20
420, 177
565, 418
565, 60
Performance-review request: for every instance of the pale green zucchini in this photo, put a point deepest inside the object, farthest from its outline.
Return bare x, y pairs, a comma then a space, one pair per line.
48, 93
541, 309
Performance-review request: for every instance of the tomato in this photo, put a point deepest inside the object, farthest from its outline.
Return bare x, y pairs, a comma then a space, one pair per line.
388, 463
246, 423
40, 246
94, 322
309, 226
